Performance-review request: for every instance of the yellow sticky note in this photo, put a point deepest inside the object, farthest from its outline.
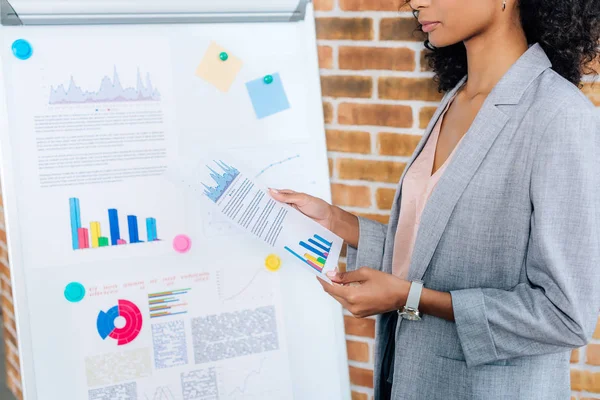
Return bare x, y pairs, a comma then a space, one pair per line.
218, 67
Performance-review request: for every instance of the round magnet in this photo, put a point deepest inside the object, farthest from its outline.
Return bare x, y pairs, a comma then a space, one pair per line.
268, 79
182, 243
223, 56
22, 49
74, 292
273, 262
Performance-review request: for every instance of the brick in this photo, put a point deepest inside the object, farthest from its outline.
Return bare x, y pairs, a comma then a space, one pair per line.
349, 141
347, 86
592, 91
375, 114
11, 355
328, 112
10, 337
424, 89
376, 58
357, 351
323, 5
325, 57
4, 269
575, 356
351, 196
370, 170
359, 396
394, 144
14, 372
359, 327
7, 304
5, 288
330, 162
425, 116
344, 28
361, 377
576, 380
596, 334
424, 61
592, 354
382, 218
374, 5
590, 381
385, 198
404, 29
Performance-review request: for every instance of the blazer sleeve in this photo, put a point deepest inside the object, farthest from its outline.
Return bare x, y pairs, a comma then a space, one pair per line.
556, 307
371, 243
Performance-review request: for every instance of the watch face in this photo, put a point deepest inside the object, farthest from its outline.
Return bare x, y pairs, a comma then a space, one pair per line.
411, 316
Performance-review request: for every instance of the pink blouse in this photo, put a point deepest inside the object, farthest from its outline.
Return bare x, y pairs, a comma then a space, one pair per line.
416, 188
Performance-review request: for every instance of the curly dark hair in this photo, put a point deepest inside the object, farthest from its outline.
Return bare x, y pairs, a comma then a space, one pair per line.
567, 30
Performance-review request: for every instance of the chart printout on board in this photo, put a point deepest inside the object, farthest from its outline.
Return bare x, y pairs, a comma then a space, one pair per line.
280, 226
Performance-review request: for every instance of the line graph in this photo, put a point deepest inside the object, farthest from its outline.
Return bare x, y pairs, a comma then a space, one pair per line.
162, 393
110, 90
275, 164
244, 386
245, 287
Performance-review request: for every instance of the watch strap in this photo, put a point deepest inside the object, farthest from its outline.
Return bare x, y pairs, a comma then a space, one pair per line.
414, 295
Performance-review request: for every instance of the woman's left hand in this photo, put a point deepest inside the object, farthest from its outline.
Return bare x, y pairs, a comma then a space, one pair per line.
376, 292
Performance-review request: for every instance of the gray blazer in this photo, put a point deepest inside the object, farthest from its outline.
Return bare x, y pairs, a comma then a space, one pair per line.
512, 231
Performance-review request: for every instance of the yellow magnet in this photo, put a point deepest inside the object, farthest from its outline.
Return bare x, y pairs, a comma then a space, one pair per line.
273, 262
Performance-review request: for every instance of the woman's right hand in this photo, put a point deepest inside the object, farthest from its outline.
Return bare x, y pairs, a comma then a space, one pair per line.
313, 207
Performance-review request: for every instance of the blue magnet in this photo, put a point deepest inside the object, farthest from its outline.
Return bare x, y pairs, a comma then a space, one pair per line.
22, 49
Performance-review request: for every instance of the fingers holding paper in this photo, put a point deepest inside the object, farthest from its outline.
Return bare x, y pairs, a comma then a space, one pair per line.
366, 292
313, 207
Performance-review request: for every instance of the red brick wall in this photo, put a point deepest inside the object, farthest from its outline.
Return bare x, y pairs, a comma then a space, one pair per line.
377, 98
13, 376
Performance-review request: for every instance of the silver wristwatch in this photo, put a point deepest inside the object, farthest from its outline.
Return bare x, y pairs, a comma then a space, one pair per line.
410, 310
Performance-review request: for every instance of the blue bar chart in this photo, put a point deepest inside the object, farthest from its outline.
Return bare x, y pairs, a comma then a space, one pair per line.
318, 250
84, 238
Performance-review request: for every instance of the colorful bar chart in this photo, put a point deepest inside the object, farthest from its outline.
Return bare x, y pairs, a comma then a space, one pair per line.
92, 237
163, 304
318, 250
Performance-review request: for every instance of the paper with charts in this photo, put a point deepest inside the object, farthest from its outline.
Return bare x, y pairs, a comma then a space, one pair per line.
278, 225
159, 294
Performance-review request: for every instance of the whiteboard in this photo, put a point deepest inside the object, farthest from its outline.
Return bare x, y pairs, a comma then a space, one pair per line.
233, 328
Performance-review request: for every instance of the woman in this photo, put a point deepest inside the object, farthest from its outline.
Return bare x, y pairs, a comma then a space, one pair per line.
497, 213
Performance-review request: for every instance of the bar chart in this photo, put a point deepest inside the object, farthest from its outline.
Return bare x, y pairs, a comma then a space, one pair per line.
317, 250
163, 304
89, 238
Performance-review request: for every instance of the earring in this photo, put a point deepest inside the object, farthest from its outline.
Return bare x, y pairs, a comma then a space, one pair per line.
504, 5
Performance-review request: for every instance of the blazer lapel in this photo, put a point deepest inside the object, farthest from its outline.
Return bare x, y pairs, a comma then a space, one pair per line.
395, 211
472, 150
465, 162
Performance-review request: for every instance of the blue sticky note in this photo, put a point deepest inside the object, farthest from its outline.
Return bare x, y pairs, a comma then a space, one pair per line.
267, 98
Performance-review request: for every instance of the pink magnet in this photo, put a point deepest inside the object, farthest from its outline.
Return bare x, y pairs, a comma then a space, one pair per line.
182, 243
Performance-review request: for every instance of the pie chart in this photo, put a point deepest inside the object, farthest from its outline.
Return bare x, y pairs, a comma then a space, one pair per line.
132, 316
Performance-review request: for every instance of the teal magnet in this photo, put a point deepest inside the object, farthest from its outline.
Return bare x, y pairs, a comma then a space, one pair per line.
22, 49
223, 56
74, 292
268, 79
